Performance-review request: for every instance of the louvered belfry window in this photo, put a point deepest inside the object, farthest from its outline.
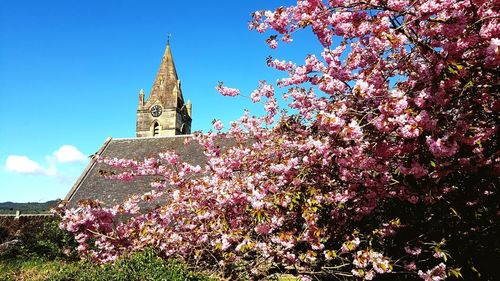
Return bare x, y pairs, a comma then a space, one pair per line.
156, 129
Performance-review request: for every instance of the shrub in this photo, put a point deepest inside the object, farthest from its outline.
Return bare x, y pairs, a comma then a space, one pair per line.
145, 265
39, 237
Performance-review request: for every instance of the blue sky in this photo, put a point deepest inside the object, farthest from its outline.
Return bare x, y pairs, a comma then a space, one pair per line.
70, 73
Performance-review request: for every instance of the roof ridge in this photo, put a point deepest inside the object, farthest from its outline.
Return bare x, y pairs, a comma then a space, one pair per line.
155, 137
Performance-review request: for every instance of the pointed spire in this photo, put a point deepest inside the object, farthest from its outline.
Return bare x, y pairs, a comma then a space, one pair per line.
166, 80
168, 62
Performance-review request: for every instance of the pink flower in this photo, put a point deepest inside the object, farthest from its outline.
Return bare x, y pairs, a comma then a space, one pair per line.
263, 229
416, 169
441, 148
411, 266
362, 259
413, 251
397, 5
225, 91
493, 52
380, 263
273, 44
82, 248
350, 245
217, 125
170, 157
438, 254
369, 275
410, 131
305, 278
437, 273
261, 28
280, 65
352, 131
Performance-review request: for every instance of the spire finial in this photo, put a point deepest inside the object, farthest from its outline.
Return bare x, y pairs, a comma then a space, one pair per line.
168, 38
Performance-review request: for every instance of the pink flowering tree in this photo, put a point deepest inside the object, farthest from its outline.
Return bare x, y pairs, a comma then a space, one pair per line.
389, 167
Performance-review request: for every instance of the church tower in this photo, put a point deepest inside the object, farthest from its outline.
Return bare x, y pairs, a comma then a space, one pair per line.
164, 113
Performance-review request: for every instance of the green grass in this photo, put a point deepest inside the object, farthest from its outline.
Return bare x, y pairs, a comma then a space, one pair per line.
142, 266
32, 269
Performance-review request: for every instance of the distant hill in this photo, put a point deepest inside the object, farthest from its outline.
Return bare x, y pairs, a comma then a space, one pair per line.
32, 207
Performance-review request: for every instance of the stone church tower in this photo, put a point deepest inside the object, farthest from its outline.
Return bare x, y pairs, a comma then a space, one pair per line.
164, 113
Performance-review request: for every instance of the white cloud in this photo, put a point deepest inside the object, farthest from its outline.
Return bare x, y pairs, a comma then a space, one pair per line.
23, 165
69, 154
65, 154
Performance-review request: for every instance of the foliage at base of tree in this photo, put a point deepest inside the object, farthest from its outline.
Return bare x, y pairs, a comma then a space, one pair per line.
36, 237
140, 266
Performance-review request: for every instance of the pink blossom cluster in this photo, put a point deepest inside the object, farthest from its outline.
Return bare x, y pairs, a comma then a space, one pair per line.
225, 91
435, 274
217, 124
362, 261
413, 251
399, 108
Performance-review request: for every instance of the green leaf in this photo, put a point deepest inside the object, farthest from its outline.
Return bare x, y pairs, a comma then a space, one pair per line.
455, 212
469, 84
451, 70
455, 272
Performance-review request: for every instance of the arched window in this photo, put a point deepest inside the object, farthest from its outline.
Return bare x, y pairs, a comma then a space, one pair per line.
156, 129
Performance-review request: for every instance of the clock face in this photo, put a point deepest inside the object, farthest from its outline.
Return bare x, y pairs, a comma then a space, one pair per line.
156, 110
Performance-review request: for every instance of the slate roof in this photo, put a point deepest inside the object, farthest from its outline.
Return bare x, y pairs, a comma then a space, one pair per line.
93, 185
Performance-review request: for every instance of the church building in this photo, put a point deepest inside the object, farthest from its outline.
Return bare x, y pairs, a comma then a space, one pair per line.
163, 124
